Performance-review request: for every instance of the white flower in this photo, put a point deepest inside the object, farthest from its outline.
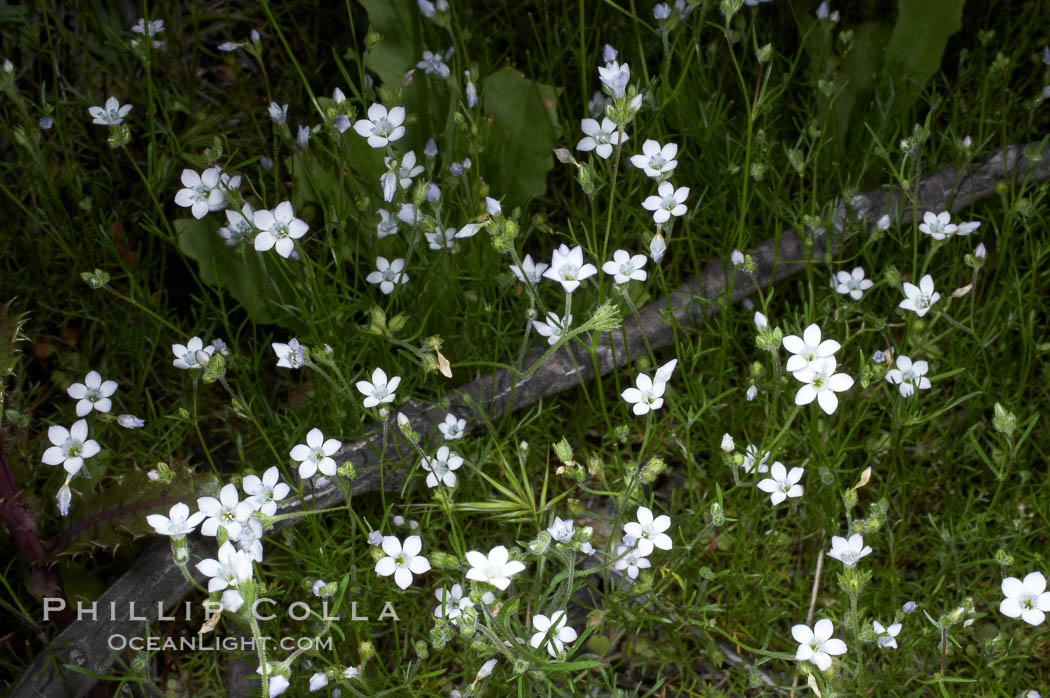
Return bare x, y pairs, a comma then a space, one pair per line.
600, 139
433, 64
648, 393
226, 511
92, 394
388, 274
379, 390
597, 104
493, 207
496, 568
130, 421
817, 645
886, 638
752, 457
727, 445
381, 127
656, 160
629, 558
151, 28
980, 252
239, 226
64, 497
623, 267
781, 483
231, 569
909, 375
553, 329
752, 392
452, 428
919, 298
657, 248
736, 258
849, 551
70, 446
387, 224
552, 632
1027, 599
112, 114
909, 607
249, 541
761, 321
938, 225
201, 192
265, 491
568, 269
667, 202
883, 223
439, 468
614, 77
561, 530
529, 271
649, 532
316, 454
852, 283
278, 229
302, 136
406, 170
808, 351
821, 383
290, 355
278, 112
178, 522
452, 603
402, 561
441, 240
318, 680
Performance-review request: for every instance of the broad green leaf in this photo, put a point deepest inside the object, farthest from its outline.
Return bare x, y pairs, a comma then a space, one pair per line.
251, 277
520, 136
914, 51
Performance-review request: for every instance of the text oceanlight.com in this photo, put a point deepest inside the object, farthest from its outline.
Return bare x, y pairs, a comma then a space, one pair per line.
204, 643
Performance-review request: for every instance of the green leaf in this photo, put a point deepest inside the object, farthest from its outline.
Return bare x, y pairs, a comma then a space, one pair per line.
916, 46
396, 53
520, 136
251, 277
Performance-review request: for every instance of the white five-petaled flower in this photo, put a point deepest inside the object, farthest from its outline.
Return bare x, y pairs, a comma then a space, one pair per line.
850, 551
381, 127
387, 224
561, 530
667, 202
379, 390
529, 271
554, 328
150, 28
600, 139
623, 267
568, 269
178, 522
452, 603
112, 114
816, 645
406, 170
808, 351
909, 375
496, 568
1027, 599
821, 383
648, 392
919, 299
452, 428
92, 394
657, 247
278, 229
614, 77
553, 633
938, 225
227, 511
290, 355
440, 240
230, 570
278, 112
852, 283
239, 226
439, 468
656, 160
70, 446
754, 457
201, 192
388, 274
186, 354
434, 64
886, 638
648, 531
316, 454
265, 491
630, 559
782, 483
402, 561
